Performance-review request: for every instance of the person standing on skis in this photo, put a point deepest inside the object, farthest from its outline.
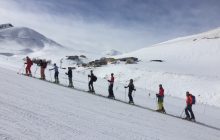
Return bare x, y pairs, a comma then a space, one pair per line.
56, 74
43, 66
69, 73
130, 90
160, 97
92, 79
110, 88
28, 63
188, 109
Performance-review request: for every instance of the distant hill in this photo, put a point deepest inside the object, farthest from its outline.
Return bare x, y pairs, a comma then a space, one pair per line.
194, 54
22, 40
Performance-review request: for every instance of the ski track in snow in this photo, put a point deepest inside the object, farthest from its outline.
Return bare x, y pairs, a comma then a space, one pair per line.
33, 109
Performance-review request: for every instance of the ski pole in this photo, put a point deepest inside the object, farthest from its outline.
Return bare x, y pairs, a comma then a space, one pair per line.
50, 76
23, 68
157, 102
35, 71
20, 71
134, 94
182, 113
67, 81
89, 84
204, 108
125, 94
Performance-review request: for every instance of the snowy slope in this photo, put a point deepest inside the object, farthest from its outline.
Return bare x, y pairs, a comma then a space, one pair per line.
190, 64
197, 54
32, 109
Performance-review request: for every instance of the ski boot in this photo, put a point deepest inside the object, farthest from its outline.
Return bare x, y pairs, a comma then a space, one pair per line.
187, 118
193, 119
111, 97
131, 102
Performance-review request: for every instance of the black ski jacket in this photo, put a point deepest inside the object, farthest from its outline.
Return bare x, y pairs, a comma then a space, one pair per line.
69, 73
130, 87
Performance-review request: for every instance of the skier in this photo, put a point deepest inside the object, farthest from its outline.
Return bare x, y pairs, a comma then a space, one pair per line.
29, 63
56, 74
110, 88
92, 79
43, 66
160, 97
188, 109
69, 73
131, 88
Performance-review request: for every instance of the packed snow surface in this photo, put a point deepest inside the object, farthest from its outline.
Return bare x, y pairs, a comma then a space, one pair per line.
33, 109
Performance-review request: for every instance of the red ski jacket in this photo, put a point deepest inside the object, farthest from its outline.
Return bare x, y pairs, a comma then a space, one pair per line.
29, 62
189, 100
161, 92
112, 80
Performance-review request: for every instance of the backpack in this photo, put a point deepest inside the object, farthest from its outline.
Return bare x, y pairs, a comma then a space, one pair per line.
193, 99
94, 78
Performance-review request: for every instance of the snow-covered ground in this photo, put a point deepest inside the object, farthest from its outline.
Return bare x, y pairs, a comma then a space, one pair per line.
33, 109
190, 64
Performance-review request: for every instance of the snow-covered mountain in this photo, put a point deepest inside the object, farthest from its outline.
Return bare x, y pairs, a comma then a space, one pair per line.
197, 54
183, 64
22, 40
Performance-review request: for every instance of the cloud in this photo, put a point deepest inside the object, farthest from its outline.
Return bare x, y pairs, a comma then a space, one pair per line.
123, 25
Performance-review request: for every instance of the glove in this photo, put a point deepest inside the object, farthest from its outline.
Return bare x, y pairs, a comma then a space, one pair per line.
134, 89
124, 86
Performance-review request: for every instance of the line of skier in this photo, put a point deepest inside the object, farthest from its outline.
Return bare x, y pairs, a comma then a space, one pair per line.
190, 99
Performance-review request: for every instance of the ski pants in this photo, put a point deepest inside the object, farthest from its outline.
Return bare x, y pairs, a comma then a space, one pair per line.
130, 96
160, 103
188, 110
110, 91
28, 70
70, 82
56, 74
91, 88
42, 74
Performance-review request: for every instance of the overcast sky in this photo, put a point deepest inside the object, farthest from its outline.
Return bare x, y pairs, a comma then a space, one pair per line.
113, 23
